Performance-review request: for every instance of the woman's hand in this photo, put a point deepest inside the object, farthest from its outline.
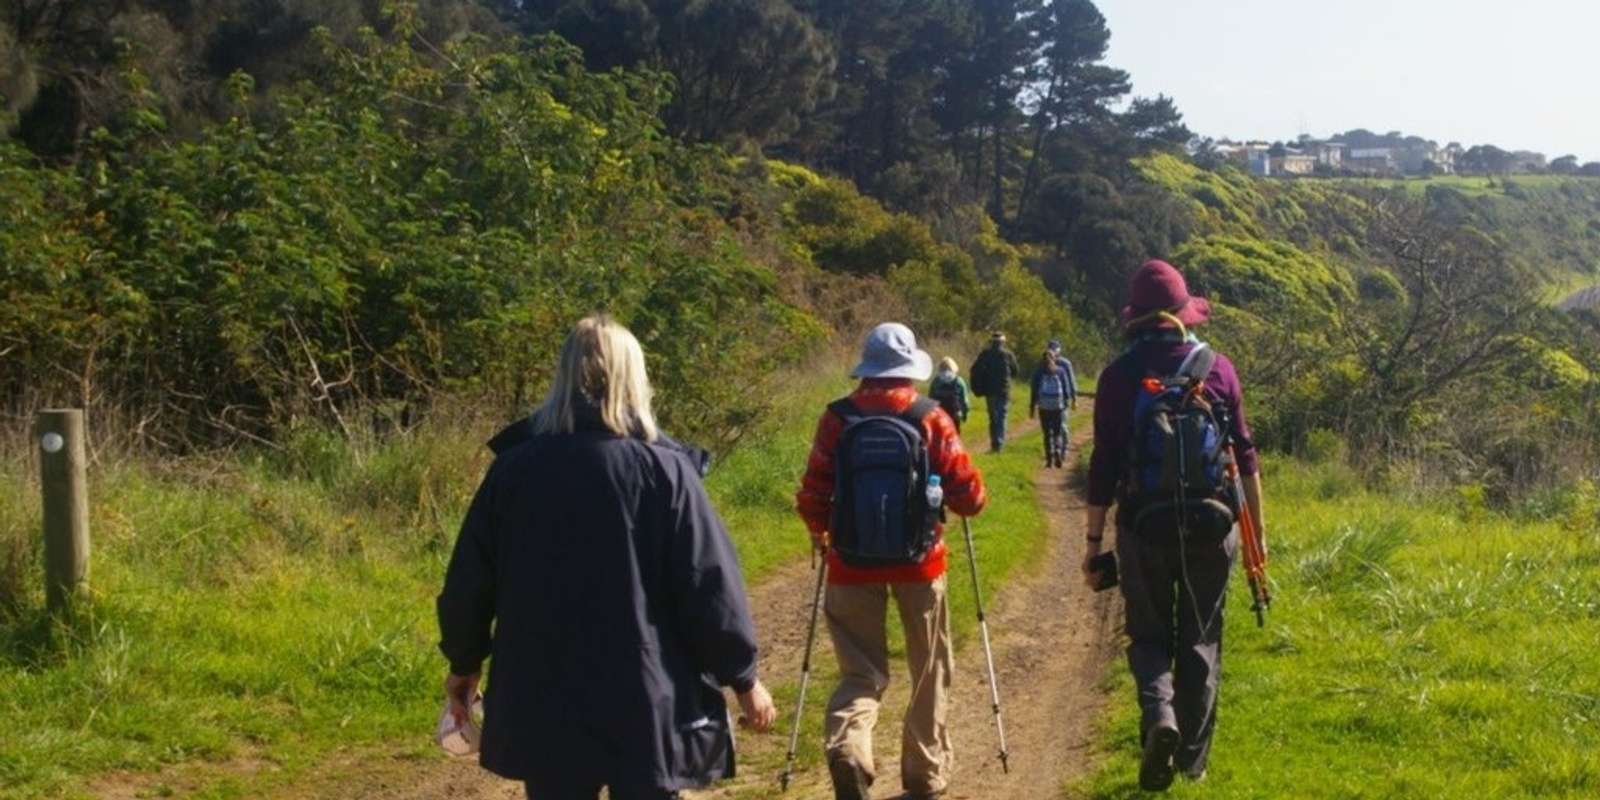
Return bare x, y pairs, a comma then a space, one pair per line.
756, 710
459, 690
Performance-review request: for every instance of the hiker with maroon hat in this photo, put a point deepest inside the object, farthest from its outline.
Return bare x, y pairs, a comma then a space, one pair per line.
1173, 582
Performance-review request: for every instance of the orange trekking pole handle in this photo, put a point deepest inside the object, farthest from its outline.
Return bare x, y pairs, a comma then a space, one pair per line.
1253, 546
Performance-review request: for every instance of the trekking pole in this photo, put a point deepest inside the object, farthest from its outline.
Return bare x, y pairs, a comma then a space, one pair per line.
988, 655
805, 670
1252, 546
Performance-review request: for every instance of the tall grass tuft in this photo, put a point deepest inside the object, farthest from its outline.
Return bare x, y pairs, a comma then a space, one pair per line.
1356, 552
20, 545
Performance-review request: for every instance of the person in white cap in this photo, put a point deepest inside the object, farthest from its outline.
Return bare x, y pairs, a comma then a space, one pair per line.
856, 601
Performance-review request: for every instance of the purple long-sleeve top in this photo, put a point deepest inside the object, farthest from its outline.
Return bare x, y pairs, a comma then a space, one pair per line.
1113, 412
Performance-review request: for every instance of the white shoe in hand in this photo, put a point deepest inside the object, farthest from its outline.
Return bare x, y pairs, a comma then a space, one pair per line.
460, 738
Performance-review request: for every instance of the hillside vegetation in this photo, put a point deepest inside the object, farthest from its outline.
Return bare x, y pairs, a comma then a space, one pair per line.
295, 287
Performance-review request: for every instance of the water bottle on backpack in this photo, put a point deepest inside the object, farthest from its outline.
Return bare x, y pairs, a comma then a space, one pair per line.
935, 496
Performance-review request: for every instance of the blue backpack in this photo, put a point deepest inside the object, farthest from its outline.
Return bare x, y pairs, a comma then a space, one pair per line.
1052, 394
880, 508
1177, 487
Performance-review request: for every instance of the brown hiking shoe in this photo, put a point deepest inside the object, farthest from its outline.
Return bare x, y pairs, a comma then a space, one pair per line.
850, 782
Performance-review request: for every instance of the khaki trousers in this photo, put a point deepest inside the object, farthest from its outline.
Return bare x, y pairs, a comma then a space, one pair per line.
857, 622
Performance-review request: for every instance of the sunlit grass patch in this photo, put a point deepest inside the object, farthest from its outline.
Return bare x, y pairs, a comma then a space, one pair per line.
1407, 654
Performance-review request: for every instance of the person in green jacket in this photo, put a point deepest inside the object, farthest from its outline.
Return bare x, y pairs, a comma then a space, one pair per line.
950, 389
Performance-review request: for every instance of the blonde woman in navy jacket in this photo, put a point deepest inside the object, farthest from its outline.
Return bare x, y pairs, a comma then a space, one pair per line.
594, 576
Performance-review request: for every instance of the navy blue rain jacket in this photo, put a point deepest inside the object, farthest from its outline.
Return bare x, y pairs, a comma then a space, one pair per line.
595, 576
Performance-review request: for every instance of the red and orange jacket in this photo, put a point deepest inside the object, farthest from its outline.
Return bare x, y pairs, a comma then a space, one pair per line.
963, 486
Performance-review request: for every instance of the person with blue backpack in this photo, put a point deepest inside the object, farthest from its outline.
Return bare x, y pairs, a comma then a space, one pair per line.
867, 502
1052, 392
1169, 414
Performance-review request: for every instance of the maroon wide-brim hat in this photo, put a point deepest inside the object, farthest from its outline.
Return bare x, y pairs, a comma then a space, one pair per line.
1157, 287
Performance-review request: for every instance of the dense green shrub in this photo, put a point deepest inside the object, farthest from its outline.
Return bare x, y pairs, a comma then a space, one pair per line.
409, 227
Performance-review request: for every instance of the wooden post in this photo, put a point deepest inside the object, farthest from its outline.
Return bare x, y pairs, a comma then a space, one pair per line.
60, 434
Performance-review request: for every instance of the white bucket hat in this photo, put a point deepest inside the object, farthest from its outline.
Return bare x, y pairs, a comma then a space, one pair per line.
891, 352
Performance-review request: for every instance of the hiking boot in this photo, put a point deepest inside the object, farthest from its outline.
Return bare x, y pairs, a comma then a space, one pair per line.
1155, 768
849, 781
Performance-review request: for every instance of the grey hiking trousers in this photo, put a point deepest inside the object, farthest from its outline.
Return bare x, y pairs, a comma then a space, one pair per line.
1173, 597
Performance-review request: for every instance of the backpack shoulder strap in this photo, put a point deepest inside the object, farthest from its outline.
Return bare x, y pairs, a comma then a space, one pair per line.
1197, 364
847, 410
914, 414
919, 409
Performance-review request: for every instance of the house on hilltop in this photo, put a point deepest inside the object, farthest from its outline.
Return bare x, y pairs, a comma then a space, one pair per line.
1388, 156
1292, 163
1425, 159
1328, 154
1372, 161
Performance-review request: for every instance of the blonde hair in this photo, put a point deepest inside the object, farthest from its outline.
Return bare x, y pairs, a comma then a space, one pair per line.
948, 363
601, 365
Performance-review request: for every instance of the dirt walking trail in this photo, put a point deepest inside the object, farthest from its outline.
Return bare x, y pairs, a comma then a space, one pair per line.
1053, 642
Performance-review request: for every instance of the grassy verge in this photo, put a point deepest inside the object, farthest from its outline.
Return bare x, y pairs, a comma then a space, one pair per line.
1413, 650
267, 611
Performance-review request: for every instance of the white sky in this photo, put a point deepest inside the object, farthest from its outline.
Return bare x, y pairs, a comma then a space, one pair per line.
1521, 75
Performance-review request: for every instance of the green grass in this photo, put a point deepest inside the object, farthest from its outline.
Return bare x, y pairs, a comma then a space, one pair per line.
268, 610
1412, 651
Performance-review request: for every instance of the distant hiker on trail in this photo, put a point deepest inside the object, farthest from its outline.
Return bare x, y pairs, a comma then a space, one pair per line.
594, 574
992, 374
1054, 349
1051, 394
1175, 542
841, 522
950, 390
